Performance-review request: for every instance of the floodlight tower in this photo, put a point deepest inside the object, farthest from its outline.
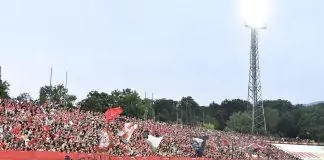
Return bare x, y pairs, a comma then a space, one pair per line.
254, 20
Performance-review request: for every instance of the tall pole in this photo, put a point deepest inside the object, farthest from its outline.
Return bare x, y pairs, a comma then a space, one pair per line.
152, 102
50, 98
51, 77
65, 97
66, 79
254, 89
0, 75
146, 110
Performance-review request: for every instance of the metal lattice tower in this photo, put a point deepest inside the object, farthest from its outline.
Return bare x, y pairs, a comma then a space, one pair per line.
254, 91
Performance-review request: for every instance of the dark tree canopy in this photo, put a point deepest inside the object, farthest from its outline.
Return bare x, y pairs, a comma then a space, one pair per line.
56, 94
282, 117
4, 89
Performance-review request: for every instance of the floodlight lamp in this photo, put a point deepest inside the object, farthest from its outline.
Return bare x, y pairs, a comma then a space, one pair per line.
254, 13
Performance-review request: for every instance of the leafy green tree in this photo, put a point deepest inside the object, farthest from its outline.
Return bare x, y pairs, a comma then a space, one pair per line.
150, 113
212, 114
282, 117
208, 126
45, 94
281, 105
98, 102
228, 107
213, 111
240, 122
24, 97
144, 110
310, 123
272, 119
165, 110
4, 90
287, 126
57, 94
127, 98
188, 107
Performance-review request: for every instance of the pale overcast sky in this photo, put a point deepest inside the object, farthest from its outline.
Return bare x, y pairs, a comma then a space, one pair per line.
171, 48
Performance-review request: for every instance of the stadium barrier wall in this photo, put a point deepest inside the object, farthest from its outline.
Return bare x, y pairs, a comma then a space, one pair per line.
47, 155
296, 143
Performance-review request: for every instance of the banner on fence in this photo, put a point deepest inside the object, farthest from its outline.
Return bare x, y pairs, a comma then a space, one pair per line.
40, 155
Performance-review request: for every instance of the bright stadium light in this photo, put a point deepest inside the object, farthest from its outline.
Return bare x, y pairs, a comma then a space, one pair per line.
254, 13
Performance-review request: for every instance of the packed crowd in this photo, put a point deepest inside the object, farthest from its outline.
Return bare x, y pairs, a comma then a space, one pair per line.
30, 127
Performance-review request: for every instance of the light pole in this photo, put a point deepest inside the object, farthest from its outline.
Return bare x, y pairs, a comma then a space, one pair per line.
0, 75
254, 17
51, 88
66, 79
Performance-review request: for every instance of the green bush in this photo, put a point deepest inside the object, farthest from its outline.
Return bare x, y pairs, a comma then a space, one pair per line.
209, 126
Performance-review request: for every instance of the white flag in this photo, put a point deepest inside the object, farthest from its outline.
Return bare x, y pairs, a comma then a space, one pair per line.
154, 141
104, 139
197, 143
198, 140
127, 131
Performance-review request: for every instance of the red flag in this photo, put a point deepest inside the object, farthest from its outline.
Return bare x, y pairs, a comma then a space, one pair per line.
113, 113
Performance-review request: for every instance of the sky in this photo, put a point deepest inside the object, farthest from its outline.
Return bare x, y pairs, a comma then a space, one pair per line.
171, 48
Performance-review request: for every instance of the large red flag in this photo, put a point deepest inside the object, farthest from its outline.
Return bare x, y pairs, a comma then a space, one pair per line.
113, 113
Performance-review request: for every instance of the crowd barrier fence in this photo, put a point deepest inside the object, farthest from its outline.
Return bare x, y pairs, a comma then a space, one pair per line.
47, 155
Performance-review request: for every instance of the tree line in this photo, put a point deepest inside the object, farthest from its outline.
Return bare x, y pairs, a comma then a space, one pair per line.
282, 117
